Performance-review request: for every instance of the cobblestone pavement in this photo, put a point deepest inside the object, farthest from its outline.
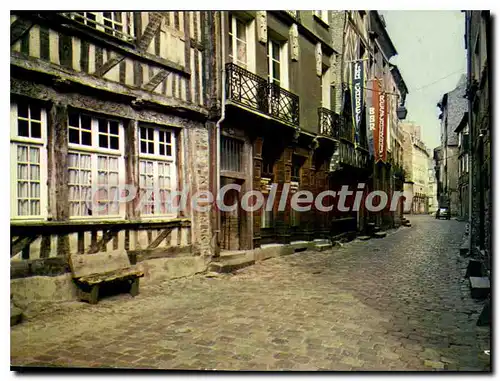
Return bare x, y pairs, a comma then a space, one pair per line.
398, 303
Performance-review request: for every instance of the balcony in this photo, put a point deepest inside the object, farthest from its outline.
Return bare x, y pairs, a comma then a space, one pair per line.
251, 91
329, 123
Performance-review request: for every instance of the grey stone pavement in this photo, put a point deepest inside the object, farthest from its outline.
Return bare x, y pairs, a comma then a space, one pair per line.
397, 303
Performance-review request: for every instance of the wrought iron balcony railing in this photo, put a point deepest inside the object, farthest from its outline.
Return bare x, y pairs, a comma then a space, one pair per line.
252, 91
346, 129
329, 123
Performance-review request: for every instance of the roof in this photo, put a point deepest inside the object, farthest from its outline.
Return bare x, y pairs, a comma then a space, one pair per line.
463, 122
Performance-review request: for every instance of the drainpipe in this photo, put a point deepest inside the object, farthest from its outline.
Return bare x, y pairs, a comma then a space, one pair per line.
217, 125
469, 117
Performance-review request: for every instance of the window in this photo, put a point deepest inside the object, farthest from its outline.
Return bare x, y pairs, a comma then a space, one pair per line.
157, 170
274, 62
95, 165
231, 154
238, 42
119, 24
29, 160
325, 88
322, 15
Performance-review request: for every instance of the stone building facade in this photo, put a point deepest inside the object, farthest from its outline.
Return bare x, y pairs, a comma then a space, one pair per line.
452, 107
478, 42
416, 165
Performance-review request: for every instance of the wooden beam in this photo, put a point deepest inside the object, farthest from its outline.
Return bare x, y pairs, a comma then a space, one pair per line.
42, 67
156, 80
18, 29
163, 235
58, 160
101, 244
150, 31
108, 65
132, 166
21, 244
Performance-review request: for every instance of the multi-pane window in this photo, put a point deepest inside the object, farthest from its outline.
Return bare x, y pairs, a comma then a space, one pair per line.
157, 171
274, 61
238, 42
95, 165
119, 24
28, 157
231, 154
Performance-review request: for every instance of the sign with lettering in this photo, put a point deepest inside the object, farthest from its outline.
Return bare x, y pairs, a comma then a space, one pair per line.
357, 93
376, 109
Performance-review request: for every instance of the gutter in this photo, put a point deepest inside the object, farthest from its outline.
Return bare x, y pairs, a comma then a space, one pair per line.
217, 126
469, 101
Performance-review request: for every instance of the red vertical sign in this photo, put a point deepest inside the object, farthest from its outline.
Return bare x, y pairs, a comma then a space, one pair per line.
380, 133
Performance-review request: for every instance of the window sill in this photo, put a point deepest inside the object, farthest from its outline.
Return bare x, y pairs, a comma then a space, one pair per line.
322, 22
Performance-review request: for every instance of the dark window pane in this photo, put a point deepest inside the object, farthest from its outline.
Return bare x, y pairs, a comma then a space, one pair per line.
36, 130
169, 151
103, 141
86, 138
22, 110
113, 128
276, 70
74, 136
103, 125
150, 148
143, 133
162, 136
143, 147
35, 112
74, 119
276, 51
150, 133
162, 149
113, 140
22, 128
85, 122
118, 16
168, 136
107, 15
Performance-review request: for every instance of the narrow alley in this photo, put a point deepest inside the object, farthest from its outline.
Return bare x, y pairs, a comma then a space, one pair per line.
397, 303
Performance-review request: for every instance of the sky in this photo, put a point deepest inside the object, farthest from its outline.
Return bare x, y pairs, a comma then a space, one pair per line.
430, 46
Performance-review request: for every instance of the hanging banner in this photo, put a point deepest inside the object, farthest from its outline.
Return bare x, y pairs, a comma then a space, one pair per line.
371, 113
381, 126
357, 77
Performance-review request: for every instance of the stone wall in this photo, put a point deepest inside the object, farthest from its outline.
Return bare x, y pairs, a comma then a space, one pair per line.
196, 171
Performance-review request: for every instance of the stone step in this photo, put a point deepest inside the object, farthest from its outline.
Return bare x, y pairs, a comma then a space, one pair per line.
376, 229
364, 237
323, 246
300, 245
479, 287
232, 261
379, 235
16, 314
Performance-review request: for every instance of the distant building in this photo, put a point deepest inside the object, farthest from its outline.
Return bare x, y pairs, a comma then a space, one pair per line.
452, 106
416, 164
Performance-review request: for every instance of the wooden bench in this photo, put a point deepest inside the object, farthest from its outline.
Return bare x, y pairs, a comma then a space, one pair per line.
91, 270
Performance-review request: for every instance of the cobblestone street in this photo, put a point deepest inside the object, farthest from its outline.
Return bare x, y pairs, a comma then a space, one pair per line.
397, 303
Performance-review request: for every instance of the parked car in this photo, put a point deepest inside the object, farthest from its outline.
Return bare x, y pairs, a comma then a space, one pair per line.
443, 213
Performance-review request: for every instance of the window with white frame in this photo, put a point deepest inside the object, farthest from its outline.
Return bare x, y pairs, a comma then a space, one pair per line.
157, 170
95, 165
28, 160
119, 24
238, 41
274, 62
322, 15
